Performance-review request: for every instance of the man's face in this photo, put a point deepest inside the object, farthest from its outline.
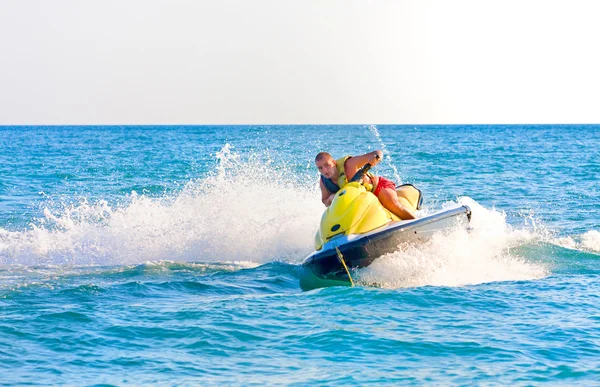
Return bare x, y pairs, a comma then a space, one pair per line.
327, 168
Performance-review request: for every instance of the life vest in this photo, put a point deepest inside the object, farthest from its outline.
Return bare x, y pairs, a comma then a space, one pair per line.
342, 179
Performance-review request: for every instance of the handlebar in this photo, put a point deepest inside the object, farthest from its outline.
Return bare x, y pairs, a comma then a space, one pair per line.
361, 172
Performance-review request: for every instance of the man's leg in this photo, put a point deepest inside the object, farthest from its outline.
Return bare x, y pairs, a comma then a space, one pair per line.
389, 200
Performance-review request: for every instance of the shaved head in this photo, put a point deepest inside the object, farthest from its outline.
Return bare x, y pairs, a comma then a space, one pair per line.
323, 156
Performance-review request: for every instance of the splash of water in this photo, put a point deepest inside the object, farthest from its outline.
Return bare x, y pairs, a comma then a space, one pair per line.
237, 213
459, 257
388, 157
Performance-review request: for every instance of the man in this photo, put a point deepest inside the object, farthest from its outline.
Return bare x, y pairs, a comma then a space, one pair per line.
336, 173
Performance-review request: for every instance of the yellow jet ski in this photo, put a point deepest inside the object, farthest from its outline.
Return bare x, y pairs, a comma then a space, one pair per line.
356, 229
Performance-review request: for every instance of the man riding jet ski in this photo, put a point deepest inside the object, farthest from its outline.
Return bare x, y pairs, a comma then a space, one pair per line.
367, 216
336, 174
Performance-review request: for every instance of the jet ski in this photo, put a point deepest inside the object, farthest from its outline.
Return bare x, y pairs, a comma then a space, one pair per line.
356, 229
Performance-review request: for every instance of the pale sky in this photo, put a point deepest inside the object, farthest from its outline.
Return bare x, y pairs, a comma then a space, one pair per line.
299, 62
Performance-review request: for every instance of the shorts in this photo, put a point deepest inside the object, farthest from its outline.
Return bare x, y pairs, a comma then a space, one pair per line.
384, 183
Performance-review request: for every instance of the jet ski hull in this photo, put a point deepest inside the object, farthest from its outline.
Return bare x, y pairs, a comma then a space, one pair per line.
361, 250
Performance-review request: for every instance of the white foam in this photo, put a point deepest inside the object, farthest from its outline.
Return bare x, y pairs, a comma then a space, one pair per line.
591, 240
459, 257
247, 211
588, 241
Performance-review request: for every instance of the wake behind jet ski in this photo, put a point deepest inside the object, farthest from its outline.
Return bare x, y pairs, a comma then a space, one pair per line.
356, 229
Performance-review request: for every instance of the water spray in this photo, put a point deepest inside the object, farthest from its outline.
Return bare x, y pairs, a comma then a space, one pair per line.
375, 131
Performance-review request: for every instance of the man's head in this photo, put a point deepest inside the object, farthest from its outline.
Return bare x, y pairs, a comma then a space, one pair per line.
326, 165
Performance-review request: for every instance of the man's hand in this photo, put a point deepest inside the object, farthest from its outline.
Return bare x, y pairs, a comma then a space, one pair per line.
376, 158
328, 201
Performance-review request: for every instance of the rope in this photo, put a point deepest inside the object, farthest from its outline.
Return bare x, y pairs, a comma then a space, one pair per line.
341, 259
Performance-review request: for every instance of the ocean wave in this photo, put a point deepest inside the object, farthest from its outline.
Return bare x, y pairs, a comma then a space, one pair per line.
588, 242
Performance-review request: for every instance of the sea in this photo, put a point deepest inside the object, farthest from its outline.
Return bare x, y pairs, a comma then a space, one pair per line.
171, 255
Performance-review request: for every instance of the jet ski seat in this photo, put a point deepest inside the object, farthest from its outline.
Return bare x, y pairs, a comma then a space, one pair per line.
409, 196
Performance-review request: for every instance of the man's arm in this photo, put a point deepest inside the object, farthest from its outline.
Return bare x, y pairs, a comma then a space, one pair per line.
326, 196
355, 163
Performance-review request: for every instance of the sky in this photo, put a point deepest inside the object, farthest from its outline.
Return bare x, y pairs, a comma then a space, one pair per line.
299, 62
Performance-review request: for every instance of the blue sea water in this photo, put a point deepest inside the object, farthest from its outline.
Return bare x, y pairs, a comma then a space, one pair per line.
171, 255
